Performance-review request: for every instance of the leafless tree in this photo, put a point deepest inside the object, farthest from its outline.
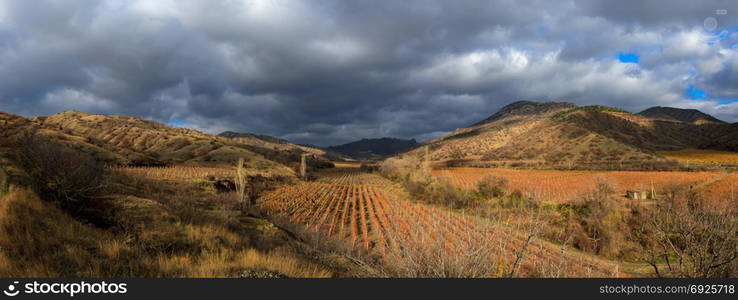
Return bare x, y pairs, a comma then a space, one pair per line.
683, 236
70, 177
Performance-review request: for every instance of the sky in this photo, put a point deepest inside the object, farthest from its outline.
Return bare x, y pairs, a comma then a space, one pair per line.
332, 71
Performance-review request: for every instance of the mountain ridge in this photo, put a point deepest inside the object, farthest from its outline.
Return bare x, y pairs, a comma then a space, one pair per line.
562, 135
679, 114
376, 148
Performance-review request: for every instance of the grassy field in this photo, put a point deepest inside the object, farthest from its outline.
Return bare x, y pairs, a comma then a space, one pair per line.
701, 155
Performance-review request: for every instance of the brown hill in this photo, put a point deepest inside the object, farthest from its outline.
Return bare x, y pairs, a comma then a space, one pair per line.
561, 135
372, 149
128, 140
526, 108
679, 114
270, 142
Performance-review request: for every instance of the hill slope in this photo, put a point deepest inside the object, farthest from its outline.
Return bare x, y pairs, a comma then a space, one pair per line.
374, 148
525, 108
562, 135
271, 142
679, 114
128, 140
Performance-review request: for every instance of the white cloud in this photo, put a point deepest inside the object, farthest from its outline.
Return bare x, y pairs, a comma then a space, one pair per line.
68, 98
330, 71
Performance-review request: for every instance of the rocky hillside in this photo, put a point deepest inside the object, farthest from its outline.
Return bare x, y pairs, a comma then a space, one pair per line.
125, 140
525, 108
559, 134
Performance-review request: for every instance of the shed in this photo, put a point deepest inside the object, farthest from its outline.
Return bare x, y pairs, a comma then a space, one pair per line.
638, 194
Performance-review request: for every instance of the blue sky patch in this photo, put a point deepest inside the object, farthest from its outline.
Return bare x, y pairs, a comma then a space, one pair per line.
628, 57
177, 123
694, 94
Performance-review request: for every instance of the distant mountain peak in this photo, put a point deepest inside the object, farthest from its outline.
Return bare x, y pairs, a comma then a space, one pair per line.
374, 148
526, 108
679, 114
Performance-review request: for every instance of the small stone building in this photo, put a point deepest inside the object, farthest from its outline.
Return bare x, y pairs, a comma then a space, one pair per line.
639, 194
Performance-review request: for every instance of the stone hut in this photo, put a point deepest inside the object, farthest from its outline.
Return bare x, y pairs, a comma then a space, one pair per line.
638, 194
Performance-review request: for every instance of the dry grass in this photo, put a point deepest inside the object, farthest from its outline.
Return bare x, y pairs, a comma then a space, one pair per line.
39, 240
219, 263
701, 155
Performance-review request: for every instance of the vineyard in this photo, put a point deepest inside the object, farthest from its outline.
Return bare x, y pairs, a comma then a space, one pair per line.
701, 155
724, 191
186, 173
349, 176
354, 207
551, 185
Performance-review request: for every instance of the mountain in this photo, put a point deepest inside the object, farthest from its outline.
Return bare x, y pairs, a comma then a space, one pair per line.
526, 108
374, 148
679, 114
125, 140
560, 134
270, 142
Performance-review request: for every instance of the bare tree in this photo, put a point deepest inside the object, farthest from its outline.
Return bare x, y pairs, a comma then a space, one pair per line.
683, 236
71, 178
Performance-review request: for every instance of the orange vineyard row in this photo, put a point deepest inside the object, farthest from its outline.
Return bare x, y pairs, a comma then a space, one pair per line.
550, 185
372, 219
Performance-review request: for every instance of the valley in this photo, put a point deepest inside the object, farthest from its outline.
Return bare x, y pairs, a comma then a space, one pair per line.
536, 190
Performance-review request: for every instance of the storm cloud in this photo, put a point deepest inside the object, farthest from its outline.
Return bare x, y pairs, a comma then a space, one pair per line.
327, 72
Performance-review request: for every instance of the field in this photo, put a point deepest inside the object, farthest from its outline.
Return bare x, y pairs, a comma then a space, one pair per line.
346, 164
701, 155
183, 173
724, 190
557, 186
355, 207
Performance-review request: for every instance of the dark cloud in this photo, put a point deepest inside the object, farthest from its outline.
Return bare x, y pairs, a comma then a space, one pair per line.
334, 71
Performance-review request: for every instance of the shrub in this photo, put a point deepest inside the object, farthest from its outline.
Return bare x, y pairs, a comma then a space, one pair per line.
369, 168
405, 169
595, 223
491, 186
442, 191
71, 178
5, 183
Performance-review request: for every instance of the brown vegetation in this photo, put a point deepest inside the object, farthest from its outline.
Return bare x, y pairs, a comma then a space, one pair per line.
81, 220
684, 235
39, 240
